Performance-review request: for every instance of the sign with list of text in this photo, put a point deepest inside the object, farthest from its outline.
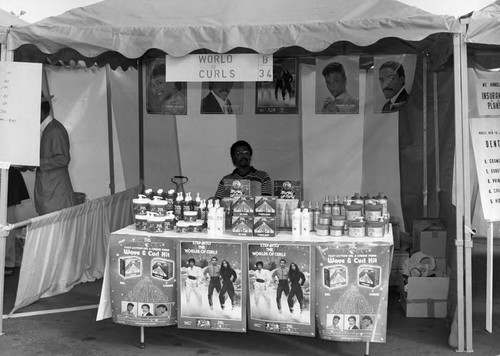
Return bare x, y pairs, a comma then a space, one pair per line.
20, 90
485, 134
219, 68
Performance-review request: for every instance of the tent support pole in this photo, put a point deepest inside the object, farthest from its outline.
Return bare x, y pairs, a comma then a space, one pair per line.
110, 132
459, 242
140, 75
489, 278
4, 181
467, 193
436, 140
424, 138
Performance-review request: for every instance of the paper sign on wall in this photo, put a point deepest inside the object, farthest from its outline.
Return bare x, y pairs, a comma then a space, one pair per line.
485, 133
20, 91
488, 92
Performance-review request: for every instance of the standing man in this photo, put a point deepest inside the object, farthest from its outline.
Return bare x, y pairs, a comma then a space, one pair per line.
261, 283
336, 81
241, 155
281, 275
392, 81
213, 273
217, 101
53, 189
194, 274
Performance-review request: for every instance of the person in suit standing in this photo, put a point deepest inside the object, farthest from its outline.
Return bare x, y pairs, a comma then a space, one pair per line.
392, 82
53, 189
217, 101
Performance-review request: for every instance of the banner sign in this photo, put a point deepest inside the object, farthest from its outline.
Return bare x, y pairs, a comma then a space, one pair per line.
142, 280
487, 92
212, 287
485, 134
281, 295
219, 68
352, 282
20, 93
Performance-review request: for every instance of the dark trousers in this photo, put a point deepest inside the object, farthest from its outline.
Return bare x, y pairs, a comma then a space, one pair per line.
214, 284
283, 287
227, 287
295, 291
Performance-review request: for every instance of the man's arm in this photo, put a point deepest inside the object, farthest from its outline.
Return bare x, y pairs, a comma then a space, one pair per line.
219, 194
266, 187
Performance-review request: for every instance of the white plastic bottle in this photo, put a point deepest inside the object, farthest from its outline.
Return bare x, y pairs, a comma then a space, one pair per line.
212, 212
305, 222
220, 221
296, 226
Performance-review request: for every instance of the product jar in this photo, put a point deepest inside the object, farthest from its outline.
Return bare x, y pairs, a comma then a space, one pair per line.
353, 211
322, 230
338, 220
158, 206
183, 227
169, 221
337, 231
197, 226
373, 212
141, 222
375, 228
324, 219
356, 228
140, 205
190, 216
156, 223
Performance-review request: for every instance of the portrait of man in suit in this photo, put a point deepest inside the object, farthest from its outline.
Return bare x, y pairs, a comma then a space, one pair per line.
219, 99
392, 82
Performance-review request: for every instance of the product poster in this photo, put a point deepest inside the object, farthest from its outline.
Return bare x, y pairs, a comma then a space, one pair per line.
485, 135
352, 284
212, 287
392, 81
280, 95
487, 88
221, 98
142, 280
167, 98
281, 295
337, 85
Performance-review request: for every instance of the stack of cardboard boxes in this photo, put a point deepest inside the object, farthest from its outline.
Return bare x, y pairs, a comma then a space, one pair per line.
254, 216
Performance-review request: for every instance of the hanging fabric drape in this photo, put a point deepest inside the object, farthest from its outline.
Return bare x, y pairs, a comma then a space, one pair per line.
69, 246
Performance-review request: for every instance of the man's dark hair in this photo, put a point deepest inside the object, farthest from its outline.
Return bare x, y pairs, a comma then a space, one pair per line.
395, 66
45, 107
215, 258
334, 67
130, 305
145, 305
336, 317
191, 260
241, 143
259, 263
366, 317
283, 260
352, 317
162, 306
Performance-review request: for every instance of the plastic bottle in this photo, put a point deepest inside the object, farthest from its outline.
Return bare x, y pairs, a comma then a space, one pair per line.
316, 211
344, 204
296, 228
170, 197
203, 211
220, 221
311, 215
305, 222
211, 216
160, 193
197, 204
326, 208
149, 193
178, 205
187, 205
336, 206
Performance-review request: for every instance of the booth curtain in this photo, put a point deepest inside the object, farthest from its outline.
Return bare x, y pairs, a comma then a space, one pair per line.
69, 246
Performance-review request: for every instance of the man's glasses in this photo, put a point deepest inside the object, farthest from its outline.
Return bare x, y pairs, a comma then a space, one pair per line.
242, 153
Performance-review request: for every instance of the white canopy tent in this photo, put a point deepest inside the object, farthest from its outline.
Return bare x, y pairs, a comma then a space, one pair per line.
119, 32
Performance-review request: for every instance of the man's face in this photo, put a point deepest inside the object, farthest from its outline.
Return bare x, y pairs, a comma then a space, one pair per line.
365, 323
282, 264
336, 321
222, 89
214, 261
259, 266
335, 82
160, 310
162, 89
352, 321
390, 82
130, 307
242, 156
145, 308
191, 264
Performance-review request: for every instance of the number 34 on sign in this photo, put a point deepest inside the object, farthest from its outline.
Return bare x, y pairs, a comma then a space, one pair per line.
219, 68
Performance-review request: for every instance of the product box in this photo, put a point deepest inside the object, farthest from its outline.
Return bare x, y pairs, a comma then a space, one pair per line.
264, 226
243, 206
288, 189
235, 188
429, 237
285, 208
227, 204
425, 297
130, 266
265, 206
242, 225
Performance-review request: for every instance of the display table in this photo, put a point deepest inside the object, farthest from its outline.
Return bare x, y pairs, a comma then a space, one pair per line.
337, 284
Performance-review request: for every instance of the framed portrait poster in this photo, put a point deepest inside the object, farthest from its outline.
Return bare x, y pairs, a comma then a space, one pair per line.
280, 95
221, 98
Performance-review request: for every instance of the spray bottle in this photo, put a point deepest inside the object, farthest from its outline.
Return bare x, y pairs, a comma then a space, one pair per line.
296, 220
305, 222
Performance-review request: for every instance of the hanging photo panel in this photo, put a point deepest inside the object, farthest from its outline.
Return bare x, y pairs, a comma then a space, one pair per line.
337, 85
221, 98
280, 95
393, 80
